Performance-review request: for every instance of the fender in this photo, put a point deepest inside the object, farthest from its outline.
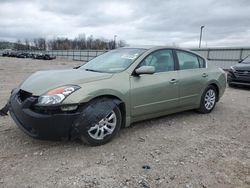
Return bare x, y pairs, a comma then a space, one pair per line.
92, 114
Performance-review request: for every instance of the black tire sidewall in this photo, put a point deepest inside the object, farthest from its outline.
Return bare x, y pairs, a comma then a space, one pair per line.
86, 138
202, 108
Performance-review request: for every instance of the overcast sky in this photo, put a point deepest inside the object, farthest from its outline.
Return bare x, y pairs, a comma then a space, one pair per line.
150, 22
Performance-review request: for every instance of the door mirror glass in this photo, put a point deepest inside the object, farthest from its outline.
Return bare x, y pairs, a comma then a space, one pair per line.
145, 70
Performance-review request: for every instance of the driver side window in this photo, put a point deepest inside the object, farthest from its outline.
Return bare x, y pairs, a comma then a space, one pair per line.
162, 60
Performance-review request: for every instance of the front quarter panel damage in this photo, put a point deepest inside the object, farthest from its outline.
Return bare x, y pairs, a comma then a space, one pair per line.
92, 114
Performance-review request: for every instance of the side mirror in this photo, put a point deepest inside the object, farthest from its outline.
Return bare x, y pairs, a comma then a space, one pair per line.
240, 61
145, 70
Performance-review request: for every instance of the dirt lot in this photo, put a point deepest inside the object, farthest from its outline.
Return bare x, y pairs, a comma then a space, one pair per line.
182, 150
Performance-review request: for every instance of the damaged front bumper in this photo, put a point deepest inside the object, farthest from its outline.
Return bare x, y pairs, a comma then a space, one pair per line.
45, 125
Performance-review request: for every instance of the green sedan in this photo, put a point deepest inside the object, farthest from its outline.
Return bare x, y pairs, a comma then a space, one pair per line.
92, 102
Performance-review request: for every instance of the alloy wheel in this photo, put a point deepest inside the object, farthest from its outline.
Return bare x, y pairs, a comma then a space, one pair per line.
210, 98
105, 127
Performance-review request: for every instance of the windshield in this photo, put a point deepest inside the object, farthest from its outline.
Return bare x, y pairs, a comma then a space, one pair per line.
246, 60
114, 60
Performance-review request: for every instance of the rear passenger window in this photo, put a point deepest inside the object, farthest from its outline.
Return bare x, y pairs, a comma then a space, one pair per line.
187, 60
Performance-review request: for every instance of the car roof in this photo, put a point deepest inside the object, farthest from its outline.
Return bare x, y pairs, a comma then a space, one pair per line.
151, 47
146, 47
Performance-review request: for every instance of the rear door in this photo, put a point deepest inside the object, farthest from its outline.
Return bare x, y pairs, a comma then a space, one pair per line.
192, 77
156, 92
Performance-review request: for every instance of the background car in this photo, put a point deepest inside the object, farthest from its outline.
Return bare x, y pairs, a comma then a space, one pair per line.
13, 54
239, 74
6, 53
17, 54
114, 90
22, 55
44, 56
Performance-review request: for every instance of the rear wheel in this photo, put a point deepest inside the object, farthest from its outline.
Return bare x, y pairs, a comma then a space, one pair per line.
208, 100
104, 130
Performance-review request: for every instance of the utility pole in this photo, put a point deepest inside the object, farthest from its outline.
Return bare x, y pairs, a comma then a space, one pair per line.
201, 36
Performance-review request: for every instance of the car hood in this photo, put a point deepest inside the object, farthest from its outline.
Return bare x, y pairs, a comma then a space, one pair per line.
242, 66
43, 81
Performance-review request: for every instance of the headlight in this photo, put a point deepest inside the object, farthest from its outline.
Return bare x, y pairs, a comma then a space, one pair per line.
56, 96
232, 68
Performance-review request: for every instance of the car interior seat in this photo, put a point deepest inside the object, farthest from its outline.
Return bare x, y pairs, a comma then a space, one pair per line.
188, 65
162, 64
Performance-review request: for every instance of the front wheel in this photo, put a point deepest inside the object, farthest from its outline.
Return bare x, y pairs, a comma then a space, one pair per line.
208, 100
106, 128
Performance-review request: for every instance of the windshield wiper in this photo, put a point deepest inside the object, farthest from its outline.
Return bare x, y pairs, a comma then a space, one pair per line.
92, 70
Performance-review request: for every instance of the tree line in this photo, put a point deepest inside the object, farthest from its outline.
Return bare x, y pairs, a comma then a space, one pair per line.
79, 43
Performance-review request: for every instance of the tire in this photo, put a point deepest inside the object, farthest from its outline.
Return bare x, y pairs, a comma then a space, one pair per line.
208, 100
88, 134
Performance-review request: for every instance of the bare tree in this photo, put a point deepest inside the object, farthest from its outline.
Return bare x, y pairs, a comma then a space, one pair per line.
27, 44
122, 43
35, 41
41, 43
79, 43
18, 45
90, 42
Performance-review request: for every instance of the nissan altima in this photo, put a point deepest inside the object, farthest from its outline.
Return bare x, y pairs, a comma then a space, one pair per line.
92, 102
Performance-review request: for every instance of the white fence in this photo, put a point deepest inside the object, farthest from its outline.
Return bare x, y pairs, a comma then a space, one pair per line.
222, 57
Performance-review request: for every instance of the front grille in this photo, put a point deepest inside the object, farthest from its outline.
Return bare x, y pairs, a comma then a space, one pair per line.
46, 110
51, 110
242, 73
23, 95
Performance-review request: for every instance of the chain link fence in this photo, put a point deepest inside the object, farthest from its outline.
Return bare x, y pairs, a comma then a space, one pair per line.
222, 57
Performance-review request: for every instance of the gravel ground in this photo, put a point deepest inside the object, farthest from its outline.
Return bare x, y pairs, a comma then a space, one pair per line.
180, 150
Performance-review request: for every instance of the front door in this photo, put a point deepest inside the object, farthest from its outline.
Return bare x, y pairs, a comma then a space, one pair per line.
156, 92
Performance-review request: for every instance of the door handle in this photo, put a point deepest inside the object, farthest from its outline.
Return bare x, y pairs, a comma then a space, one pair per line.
204, 75
173, 81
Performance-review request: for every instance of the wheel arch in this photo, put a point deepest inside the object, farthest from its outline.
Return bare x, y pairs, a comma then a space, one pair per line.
217, 89
120, 103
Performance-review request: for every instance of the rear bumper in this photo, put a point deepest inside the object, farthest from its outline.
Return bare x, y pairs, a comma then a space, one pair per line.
38, 125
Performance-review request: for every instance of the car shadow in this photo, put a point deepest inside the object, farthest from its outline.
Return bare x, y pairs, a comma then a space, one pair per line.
246, 88
125, 133
167, 120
